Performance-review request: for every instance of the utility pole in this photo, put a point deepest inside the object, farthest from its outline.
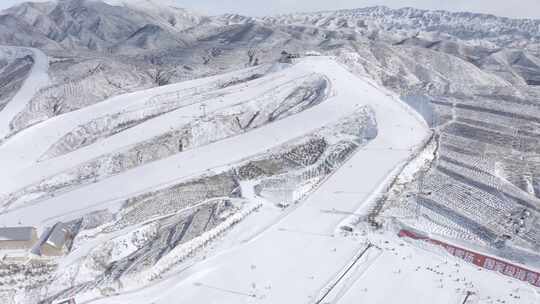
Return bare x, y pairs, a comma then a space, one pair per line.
203, 109
419, 191
467, 296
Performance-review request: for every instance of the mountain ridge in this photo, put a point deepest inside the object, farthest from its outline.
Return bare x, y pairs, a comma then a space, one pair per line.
143, 116
63, 18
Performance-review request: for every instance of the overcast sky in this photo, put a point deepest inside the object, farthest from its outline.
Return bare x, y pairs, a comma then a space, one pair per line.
509, 8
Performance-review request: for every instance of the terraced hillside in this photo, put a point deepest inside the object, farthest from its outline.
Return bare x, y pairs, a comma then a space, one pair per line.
281, 153
484, 176
482, 184
206, 149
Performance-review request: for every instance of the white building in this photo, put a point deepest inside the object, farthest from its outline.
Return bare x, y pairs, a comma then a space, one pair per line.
17, 238
54, 244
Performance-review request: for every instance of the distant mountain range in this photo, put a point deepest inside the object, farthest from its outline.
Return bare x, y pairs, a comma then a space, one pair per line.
92, 68
116, 25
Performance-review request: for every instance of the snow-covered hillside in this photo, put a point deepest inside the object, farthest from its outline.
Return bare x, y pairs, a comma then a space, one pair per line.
151, 154
474, 29
36, 79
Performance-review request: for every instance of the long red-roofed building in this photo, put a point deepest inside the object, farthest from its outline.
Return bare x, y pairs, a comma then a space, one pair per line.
480, 260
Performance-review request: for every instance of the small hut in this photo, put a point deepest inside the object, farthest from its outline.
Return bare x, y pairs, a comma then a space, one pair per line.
54, 244
17, 238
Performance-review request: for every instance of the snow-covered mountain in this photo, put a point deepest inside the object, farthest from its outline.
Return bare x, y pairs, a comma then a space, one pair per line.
179, 149
96, 24
475, 29
92, 25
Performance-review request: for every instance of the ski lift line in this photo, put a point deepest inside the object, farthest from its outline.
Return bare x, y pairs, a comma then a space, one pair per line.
387, 149
341, 212
283, 188
203, 105
467, 296
343, 274
230, 291
352, 192
428, 193
305, 232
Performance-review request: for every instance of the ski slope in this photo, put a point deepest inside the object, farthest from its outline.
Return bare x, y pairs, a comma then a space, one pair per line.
37, 79
349, 93
297, 258
424, 274
15, 155
291, 261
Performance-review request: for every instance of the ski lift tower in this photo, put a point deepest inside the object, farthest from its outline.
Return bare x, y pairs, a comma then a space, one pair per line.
420, 191
203, 111
284, 195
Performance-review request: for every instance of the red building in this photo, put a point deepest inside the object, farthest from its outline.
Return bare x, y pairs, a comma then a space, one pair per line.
480, 260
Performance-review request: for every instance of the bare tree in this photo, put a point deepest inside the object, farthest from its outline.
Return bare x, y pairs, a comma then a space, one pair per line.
56, 106
172, 21
160, 76
205, 60
252, 60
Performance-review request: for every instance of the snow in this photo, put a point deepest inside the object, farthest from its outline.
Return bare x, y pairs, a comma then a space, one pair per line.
15, 154
162, 11
419, 273
469, 28
294, 256
182, 251
297, 253
302, 247
37, 80
350, 94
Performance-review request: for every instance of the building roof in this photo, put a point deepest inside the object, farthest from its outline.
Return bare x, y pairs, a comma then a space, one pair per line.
58, 235
17, 233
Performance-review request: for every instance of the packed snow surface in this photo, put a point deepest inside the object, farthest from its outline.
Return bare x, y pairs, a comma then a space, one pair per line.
298, 257
350, 93
278, 182
291, 261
